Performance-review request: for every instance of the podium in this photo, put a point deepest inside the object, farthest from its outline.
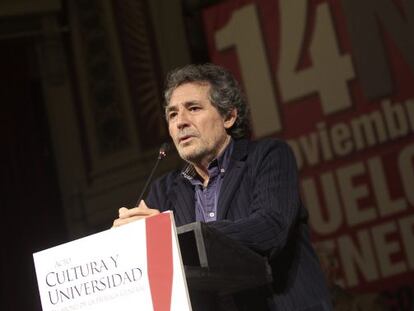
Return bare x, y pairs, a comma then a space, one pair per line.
216, 266
140, 265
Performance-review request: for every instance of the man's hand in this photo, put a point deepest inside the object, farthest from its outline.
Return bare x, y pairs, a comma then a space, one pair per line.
129, 215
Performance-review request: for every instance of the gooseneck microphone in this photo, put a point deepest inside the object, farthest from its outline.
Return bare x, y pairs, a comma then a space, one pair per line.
161, 155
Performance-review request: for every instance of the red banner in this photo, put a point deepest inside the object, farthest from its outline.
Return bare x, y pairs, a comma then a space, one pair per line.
335, 79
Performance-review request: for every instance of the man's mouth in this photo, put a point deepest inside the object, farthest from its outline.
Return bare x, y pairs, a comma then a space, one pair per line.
184, 139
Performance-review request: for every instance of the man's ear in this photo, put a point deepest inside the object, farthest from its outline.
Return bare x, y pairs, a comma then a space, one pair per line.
230, 118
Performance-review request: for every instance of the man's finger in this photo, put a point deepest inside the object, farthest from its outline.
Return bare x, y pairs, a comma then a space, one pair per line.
142, 204
134, 214
123, 221
141, 210
129, 212
122, 211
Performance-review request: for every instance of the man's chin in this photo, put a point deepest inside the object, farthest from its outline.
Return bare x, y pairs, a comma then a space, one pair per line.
189, 154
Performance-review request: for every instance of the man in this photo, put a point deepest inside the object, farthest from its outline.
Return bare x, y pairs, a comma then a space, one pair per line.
247, 190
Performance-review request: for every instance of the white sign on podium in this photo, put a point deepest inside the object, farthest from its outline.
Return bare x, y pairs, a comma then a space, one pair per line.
134, 267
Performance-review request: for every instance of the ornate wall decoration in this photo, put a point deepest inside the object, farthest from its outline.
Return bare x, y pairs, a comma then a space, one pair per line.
142, 67
105, 101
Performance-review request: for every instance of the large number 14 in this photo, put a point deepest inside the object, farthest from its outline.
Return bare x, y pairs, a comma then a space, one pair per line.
328, 75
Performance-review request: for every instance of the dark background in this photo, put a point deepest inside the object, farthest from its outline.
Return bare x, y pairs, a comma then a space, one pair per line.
31, 207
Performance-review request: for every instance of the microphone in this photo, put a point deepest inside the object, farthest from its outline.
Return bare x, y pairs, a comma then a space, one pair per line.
162, 153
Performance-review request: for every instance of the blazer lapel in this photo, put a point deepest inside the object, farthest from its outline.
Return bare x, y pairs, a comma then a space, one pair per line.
232, 177
182, 200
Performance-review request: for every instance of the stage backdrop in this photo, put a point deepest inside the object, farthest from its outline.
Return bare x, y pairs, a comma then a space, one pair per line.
335, 79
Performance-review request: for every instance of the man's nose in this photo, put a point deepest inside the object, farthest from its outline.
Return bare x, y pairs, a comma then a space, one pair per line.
182, 119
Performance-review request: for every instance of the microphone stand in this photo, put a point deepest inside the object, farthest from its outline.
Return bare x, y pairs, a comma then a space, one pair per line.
161, 155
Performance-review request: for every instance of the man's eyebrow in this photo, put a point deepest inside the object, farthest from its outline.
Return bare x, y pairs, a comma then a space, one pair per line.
170, 108
186, 104
191, 102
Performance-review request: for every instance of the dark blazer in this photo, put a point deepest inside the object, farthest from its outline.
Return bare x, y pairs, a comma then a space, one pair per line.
259, 205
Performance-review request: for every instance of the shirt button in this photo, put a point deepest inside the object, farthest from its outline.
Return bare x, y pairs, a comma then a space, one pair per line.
211, 214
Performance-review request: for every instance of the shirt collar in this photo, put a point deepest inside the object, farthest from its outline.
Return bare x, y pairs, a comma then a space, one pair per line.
189, 172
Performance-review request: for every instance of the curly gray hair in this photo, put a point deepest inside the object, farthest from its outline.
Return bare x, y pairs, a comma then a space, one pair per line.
225, 93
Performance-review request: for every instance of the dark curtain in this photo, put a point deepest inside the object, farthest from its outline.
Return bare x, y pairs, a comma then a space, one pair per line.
31, 212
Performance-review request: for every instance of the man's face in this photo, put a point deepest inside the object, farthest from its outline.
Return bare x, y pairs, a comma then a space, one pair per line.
195, 125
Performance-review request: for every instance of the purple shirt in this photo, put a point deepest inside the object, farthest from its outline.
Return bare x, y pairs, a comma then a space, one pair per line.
206, 198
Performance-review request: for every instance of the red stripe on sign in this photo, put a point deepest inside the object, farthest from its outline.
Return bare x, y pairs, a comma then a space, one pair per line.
160, 260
